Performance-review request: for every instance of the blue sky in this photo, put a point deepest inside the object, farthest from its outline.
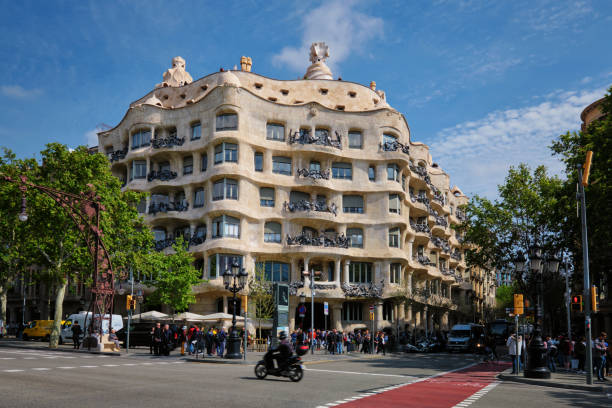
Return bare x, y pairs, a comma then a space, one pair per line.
487, 84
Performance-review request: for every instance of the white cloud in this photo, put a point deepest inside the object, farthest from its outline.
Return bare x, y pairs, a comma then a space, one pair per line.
18, 92
344, 29
586, 80
477, 154
91, 137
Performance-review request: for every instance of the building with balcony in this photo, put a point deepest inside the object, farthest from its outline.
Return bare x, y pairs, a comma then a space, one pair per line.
313, 175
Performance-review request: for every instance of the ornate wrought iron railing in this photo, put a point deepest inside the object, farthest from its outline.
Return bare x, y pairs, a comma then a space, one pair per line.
366, 290
155, 208
117, 155
314, 174
162, 175
394, 146
340, 241
167, 142
305, 205
303, 138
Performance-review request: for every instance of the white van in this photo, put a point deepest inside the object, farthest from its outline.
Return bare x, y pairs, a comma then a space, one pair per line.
464, 337
84, 319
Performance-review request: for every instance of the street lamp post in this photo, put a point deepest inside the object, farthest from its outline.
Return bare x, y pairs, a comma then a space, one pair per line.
234, 280
536, 362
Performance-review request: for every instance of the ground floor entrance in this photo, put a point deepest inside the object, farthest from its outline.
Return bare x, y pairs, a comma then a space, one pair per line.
303, 319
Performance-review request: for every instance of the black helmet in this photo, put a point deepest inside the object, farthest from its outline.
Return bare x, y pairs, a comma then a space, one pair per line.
282, 335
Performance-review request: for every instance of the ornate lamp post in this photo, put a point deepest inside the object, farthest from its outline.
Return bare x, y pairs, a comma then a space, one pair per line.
234, 279
536, 362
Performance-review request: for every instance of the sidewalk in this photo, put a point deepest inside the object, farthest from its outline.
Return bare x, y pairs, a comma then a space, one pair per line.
318, 357
35, 345
567, 380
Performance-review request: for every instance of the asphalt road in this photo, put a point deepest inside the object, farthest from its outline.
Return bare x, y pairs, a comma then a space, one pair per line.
36, 378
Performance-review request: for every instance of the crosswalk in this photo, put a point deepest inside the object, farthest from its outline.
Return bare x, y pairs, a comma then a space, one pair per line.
37, 354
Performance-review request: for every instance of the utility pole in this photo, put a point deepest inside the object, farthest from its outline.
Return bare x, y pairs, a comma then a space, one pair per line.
583, 180
312, 331
127, 349
568, 298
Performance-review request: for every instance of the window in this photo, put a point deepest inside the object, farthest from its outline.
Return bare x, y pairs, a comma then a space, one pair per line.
139, 169
352, 311
393, 172
196, 131
395, 205
297, 196
164, 166
388, 311
200, 232
266, 197
226, 226
315, 166
226, 152
372, 173
159, 234
281, 165
394, 237
225, 189
356, 237
360, 272
272, 232
204, 162
352, 204
355, 140
198, 198
321, 134
395, 273
187, 165
275, 131
387, 138
227, 121
275, 271
219, 263
342, 171
258, 161
311, 232
141, 138
403, 182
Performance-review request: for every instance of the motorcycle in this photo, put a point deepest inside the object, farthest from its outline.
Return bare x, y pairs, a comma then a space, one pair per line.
293, 369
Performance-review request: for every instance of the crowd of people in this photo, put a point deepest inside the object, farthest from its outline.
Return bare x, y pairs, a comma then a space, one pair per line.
192, 340
342, 342
563, 354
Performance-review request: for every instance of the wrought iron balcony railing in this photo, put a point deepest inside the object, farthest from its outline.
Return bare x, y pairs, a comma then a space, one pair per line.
117, 155
364, 290
394, 146
340, 241
314, 174
418, 170
456, 254
155, 208
420, 227
163, 175
323, 139
305, 205
168, 142
423, 260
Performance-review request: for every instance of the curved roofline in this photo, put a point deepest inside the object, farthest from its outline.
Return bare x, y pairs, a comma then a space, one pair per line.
590, 108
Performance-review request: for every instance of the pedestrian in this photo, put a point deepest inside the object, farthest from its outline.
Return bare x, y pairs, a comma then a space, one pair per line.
112, 337
581, 354
76, 335
221, 336
166, 340
183, 339
551, 354
157, 338
511, 343
209, 341
599, 355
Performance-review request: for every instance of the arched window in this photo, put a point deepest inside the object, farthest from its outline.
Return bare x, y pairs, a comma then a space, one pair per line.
227, 121
226, 226
226, 152
225, 189
272, 232
198, 198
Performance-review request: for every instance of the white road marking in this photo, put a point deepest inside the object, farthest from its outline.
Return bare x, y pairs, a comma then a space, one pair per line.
477, 395
358, 373
130, 364
111, 365
7, 358
41, 369
88, 366
12, 371
65, 368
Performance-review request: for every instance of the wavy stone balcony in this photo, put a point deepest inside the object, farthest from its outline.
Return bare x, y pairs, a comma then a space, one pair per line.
308, 206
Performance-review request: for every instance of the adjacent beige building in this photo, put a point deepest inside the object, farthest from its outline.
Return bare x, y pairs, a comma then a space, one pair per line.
316, 175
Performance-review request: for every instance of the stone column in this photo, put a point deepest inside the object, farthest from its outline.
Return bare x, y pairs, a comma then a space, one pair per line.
430, 324
384, 272
378, 316
410, 275
401, 315
444, 322
293, 301
306, 278
345, 277
409, 315
337, 270
336, 316
294, 274
417, 319
225, 304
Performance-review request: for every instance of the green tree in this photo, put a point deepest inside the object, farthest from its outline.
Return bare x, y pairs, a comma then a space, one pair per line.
260, 295
571, 148
504, 297
525, 214
174, 277
61, 246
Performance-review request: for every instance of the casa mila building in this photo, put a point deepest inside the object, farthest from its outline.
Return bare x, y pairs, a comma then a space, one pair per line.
306, 179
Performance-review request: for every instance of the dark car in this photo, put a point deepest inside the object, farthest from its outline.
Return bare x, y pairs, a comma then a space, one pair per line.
500, 330
140, 334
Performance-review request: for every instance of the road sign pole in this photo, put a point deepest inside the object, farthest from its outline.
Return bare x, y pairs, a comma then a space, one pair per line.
587, 283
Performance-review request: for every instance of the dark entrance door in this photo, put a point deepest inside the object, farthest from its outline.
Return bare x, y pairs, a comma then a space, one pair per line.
319, 317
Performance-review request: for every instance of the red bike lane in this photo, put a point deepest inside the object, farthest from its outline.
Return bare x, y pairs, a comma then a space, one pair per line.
443, 391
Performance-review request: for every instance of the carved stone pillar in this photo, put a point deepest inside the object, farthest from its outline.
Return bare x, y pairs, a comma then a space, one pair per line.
444, 321
337, 316
337, 269
293, 301
378, 316
225, 304
345, 277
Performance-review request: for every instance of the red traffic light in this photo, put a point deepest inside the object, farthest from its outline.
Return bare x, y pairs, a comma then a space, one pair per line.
575, 299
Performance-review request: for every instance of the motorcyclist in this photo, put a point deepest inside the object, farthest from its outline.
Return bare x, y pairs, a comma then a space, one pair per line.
281, 354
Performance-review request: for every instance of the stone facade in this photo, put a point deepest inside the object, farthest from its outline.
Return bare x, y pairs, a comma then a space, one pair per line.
315, 175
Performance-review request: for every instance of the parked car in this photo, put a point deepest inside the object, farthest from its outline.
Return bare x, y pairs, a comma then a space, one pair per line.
38, 330
84, 319
140, 334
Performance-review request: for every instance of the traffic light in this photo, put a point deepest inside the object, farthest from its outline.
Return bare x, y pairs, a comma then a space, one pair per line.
130, 302
594, 299
587, 168
244, 303
577, 303
518, 304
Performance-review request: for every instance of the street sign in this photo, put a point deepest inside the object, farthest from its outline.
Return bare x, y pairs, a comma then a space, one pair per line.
372, 307
371, 315
302, 311
325, 308
518, 304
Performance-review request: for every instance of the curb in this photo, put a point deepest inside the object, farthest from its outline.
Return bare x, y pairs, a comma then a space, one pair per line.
218, 361
43, 348
531, 381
